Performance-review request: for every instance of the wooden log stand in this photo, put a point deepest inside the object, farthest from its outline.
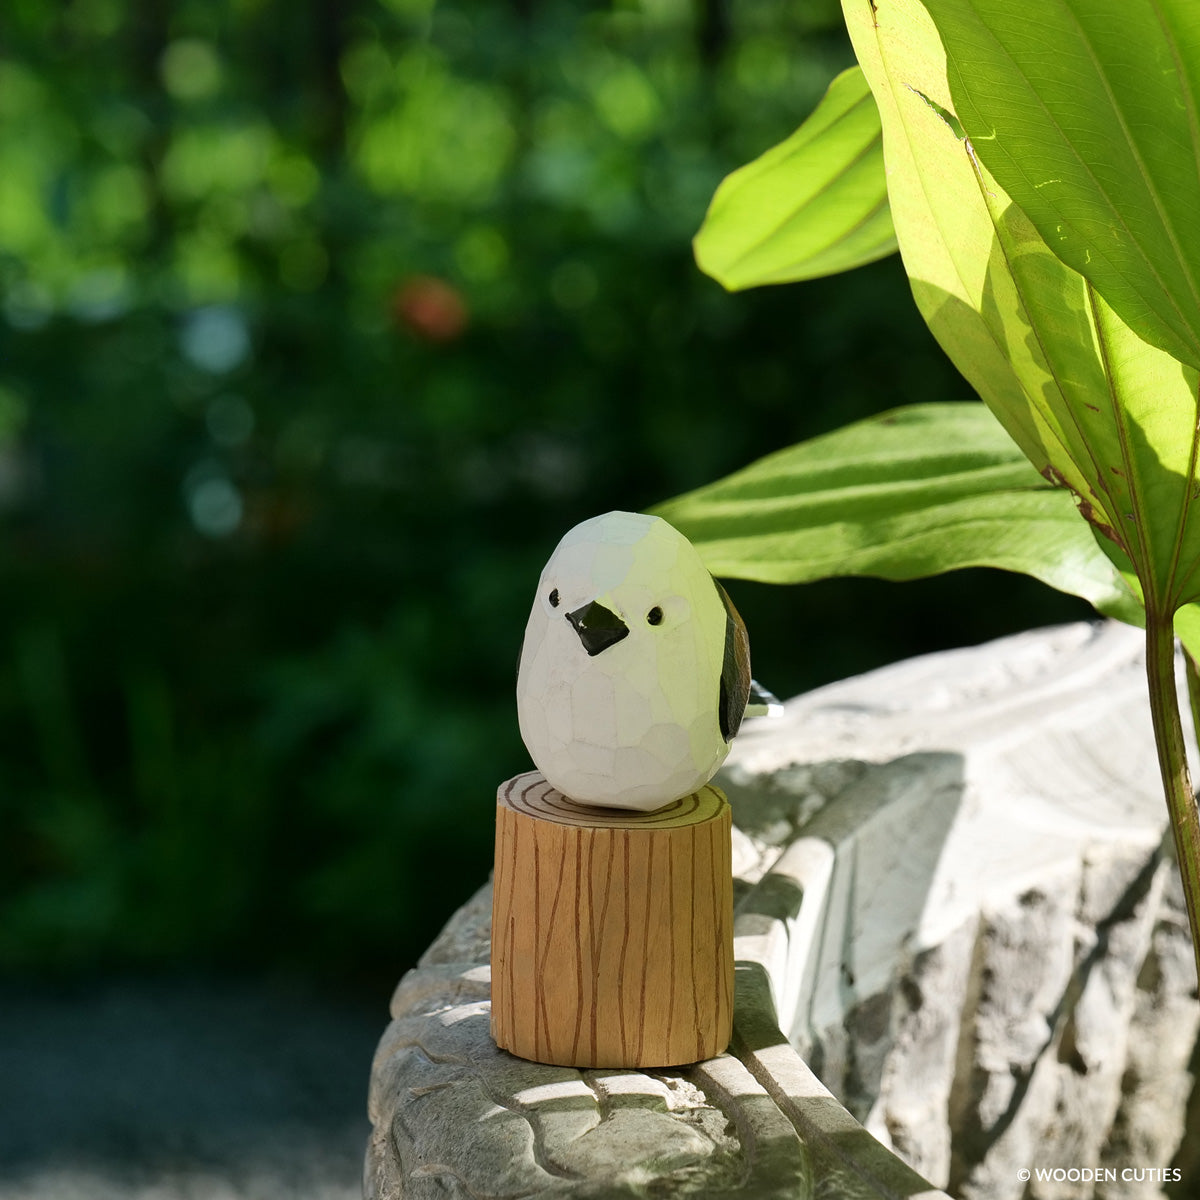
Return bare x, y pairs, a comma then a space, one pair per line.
612, 930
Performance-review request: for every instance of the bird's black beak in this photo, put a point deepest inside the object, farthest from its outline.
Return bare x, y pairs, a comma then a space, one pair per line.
598, 627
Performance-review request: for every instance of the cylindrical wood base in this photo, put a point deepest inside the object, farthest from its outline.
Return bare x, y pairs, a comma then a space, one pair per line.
612, 930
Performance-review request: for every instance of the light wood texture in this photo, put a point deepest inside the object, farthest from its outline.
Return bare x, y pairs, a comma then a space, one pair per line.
612, 940
961, 954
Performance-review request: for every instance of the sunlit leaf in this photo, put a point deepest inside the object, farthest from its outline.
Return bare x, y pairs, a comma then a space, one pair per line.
1088, 114
814, 205
1122, 412
1187, 629
944, 230
1094, 407
916, 491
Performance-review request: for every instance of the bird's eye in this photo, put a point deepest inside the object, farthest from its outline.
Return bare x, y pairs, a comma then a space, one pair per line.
554, 598
654, 616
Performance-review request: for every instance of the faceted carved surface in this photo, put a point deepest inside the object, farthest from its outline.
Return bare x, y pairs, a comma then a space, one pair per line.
953, 896
619, 683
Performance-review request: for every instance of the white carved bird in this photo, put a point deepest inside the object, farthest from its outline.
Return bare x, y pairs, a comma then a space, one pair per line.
635, 671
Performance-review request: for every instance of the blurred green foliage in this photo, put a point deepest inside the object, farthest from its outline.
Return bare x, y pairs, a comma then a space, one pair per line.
319, 324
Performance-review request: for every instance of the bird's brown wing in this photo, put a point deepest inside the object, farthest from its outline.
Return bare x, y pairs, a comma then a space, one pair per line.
735, 669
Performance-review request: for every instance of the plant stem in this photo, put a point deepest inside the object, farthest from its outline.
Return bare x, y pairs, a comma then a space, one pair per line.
1172, 762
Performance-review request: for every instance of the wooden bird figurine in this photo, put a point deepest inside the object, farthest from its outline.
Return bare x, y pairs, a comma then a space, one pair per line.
635, 671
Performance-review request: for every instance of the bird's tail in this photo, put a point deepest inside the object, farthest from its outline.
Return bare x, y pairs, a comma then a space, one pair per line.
762, 703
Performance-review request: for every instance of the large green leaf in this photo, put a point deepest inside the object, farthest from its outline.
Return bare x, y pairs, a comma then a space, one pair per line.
1087, 112
913, 492
1094, 407
814, 205
944, 230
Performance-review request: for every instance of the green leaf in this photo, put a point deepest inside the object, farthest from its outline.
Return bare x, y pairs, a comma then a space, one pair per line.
1187, 630
1119, 415
916, 491
1087, 112
944, 230
814, 205
1095, 408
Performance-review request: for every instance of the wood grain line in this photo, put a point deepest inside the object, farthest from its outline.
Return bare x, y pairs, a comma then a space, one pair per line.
532, 782
694, 991
512, 927
541, 1016
577, 939
598, 943
718, 894
624, 948
536, 796
641, 1042
672, 918
548, 941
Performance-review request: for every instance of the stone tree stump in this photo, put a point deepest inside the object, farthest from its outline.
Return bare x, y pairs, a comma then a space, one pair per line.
961, 954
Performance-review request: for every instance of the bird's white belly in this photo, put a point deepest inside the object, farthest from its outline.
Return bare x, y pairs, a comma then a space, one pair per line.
615, 737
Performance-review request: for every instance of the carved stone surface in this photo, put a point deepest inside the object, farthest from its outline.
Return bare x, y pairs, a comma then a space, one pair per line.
454, 1116
954, 899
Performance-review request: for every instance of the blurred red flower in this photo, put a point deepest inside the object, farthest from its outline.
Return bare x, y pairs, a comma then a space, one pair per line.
431, 308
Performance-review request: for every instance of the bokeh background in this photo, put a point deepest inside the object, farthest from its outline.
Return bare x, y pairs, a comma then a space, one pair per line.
319, 324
